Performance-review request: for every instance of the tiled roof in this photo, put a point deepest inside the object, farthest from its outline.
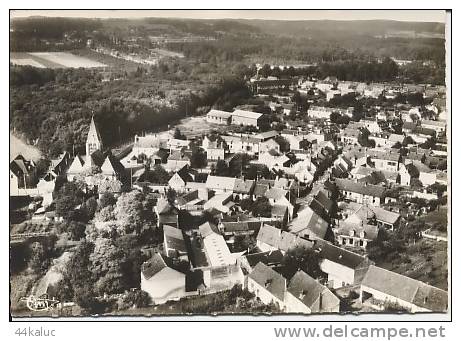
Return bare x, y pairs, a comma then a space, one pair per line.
352, 186
305, 288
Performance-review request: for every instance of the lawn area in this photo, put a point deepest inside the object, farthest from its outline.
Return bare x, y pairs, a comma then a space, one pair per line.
426, 261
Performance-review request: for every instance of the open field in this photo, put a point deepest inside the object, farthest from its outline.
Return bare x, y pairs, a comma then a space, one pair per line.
53, 60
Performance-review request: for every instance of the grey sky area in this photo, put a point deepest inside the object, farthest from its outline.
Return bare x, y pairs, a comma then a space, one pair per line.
400, 15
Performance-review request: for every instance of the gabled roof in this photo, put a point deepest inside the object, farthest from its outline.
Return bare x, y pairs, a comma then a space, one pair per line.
307, 219
269, 235
153, 266
206, 229
260, 189
243, 186
352, 186
339, 255
365, 231
269, 279
275, 193
220, 182
274, 257
77, 165
305, 288
219, 113
246, 114
406, 289
174, 238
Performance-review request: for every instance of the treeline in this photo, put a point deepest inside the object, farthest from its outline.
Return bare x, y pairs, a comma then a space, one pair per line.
32, 34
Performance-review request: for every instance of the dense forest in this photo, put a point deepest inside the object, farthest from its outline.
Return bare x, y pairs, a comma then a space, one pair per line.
54, 107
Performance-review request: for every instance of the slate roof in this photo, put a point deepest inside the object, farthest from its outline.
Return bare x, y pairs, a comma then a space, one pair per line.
305, 288
243, 186
307, 219
339, 255
269, 258
269, 279
406, 289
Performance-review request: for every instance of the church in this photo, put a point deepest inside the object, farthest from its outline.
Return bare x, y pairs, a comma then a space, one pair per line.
97, 160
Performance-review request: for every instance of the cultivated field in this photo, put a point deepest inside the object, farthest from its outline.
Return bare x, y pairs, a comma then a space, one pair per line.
53, 60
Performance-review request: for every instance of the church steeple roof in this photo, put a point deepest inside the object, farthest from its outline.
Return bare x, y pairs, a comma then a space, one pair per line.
93, 133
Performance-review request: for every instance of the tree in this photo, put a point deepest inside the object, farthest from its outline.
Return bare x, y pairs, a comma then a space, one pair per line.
261, 207
89, 208
221, 168
38, 261
107, 199
158, 175
76, 230
178, 135
299, 258
283, 143
134, 212
198, 158
67, 198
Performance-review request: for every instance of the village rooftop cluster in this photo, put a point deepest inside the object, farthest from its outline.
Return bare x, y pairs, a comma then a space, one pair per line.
256, 193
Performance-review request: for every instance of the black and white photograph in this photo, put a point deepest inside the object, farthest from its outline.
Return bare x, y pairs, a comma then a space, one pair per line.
255, 163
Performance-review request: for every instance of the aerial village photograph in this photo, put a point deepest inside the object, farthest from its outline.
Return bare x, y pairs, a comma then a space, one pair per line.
166, 164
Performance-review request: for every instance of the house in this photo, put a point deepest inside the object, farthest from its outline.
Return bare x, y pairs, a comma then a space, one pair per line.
76, 168
174, 245
268, 285
306, 295
355, 235
387, 161
350, 136
161, 279
221, 270
268, 145
246, 118
269, 258
371, 124
308, 225
59, 165
439, 126
177, 160
368, 214
271, 238
221, 203
408, 127
343, 267
272, 158
360, 193
322, 204
215, 151
243, 188
166, 213
22, 174
242, 144
218, 117
220, 184
388, 287
147, 145
177, 144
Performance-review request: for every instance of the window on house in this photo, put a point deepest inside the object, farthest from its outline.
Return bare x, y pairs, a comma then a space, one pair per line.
351, 241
